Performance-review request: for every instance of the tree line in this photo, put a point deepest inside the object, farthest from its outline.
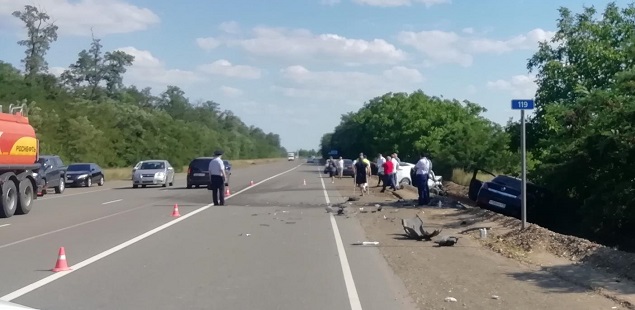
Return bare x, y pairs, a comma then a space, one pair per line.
580, 142
88, 114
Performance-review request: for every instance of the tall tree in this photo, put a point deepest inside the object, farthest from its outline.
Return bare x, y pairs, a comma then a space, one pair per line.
40, 34
94, 67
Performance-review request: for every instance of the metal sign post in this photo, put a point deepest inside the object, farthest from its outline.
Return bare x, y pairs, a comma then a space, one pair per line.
522, 105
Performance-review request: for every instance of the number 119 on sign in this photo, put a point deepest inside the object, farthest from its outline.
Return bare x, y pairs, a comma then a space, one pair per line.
522, 104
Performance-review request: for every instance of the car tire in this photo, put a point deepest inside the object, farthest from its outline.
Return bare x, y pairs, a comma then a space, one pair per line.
135, 186
89, 182
101, 181
60, 188
189, 186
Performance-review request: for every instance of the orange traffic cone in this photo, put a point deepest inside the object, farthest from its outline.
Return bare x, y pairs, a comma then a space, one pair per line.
175, 211
227, 193
251, 183
61, 264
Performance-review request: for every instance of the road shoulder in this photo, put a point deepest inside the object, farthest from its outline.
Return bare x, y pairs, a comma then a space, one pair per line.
469, 272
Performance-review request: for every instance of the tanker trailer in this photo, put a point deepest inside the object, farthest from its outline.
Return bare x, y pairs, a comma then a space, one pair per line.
19, 152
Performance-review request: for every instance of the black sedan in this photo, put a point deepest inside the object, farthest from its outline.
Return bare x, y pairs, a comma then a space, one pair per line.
84, 174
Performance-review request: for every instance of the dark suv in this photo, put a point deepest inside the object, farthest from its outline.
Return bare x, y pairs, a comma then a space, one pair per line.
52, 173
198, 171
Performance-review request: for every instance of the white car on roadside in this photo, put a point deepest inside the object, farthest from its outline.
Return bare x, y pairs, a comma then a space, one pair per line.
435, 182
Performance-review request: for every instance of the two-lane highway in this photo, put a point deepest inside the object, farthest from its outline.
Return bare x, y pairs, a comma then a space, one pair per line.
271, 247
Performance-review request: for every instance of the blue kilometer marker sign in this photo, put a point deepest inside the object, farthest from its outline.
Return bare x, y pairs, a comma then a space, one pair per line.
522, 104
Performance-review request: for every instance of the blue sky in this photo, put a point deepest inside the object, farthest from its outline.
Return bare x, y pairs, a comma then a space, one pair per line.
293, 67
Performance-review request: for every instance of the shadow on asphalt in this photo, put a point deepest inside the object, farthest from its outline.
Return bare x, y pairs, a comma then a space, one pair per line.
545, 279
138, 188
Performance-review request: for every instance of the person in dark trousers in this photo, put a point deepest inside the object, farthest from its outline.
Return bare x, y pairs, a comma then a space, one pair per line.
422, 174
218, 179
389, 167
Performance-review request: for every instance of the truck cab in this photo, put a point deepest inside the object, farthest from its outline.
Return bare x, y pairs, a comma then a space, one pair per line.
291, 156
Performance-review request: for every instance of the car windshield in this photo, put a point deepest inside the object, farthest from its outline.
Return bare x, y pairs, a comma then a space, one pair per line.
152, 165
81, 167
509, 181
201, 164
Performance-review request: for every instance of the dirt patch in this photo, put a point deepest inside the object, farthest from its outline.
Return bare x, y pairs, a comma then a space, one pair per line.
543, 262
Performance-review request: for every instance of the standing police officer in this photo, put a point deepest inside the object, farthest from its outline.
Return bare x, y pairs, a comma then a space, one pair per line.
218, 179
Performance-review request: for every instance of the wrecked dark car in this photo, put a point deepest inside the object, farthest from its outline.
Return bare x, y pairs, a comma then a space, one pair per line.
502, 194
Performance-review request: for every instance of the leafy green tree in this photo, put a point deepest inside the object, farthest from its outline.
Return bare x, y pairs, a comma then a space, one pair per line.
93, 67
40, 34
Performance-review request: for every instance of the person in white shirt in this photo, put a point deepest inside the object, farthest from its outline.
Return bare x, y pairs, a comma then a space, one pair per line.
422, 173
218, 179
395, 163
380, 168
340, 167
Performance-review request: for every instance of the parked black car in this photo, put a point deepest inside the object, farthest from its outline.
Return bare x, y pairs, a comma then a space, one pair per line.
52, 173
198, 172
502, 195
84, 174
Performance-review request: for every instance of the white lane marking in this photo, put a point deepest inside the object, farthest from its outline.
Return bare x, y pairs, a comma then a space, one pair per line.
73, 226
4, 225
112, 201
33, 286
70, 195
353, 298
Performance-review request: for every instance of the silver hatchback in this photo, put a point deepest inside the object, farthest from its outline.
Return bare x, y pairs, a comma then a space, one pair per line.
153, 172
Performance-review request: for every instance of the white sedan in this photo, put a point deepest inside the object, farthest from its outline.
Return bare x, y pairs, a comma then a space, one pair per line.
403, 177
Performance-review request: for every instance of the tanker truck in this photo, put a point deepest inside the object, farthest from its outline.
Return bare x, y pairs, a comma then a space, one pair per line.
19, 153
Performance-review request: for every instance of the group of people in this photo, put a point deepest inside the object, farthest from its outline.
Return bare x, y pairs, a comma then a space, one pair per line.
387, 168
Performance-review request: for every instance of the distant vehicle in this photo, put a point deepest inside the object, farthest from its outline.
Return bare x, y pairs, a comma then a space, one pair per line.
310, 160
502, 194
84, 174
52, 173
153, 172
348, 168
198, 172
291, 156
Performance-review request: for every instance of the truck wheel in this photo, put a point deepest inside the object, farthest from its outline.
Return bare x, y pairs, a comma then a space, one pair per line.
9, 199
25, 198
60, 188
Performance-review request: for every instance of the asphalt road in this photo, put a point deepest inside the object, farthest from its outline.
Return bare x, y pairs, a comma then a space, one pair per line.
273, 246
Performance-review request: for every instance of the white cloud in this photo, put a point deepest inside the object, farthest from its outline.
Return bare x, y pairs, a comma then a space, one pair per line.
395, 3
77, 17
301, 44
442, 47
208, 44
347, 86
230, 27
522, 86
149, 70
225, 68
228, 91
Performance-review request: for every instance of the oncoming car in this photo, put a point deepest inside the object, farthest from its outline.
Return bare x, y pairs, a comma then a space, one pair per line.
153, 172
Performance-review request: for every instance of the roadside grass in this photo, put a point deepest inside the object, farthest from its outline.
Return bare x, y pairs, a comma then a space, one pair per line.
462, 177
126, 173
